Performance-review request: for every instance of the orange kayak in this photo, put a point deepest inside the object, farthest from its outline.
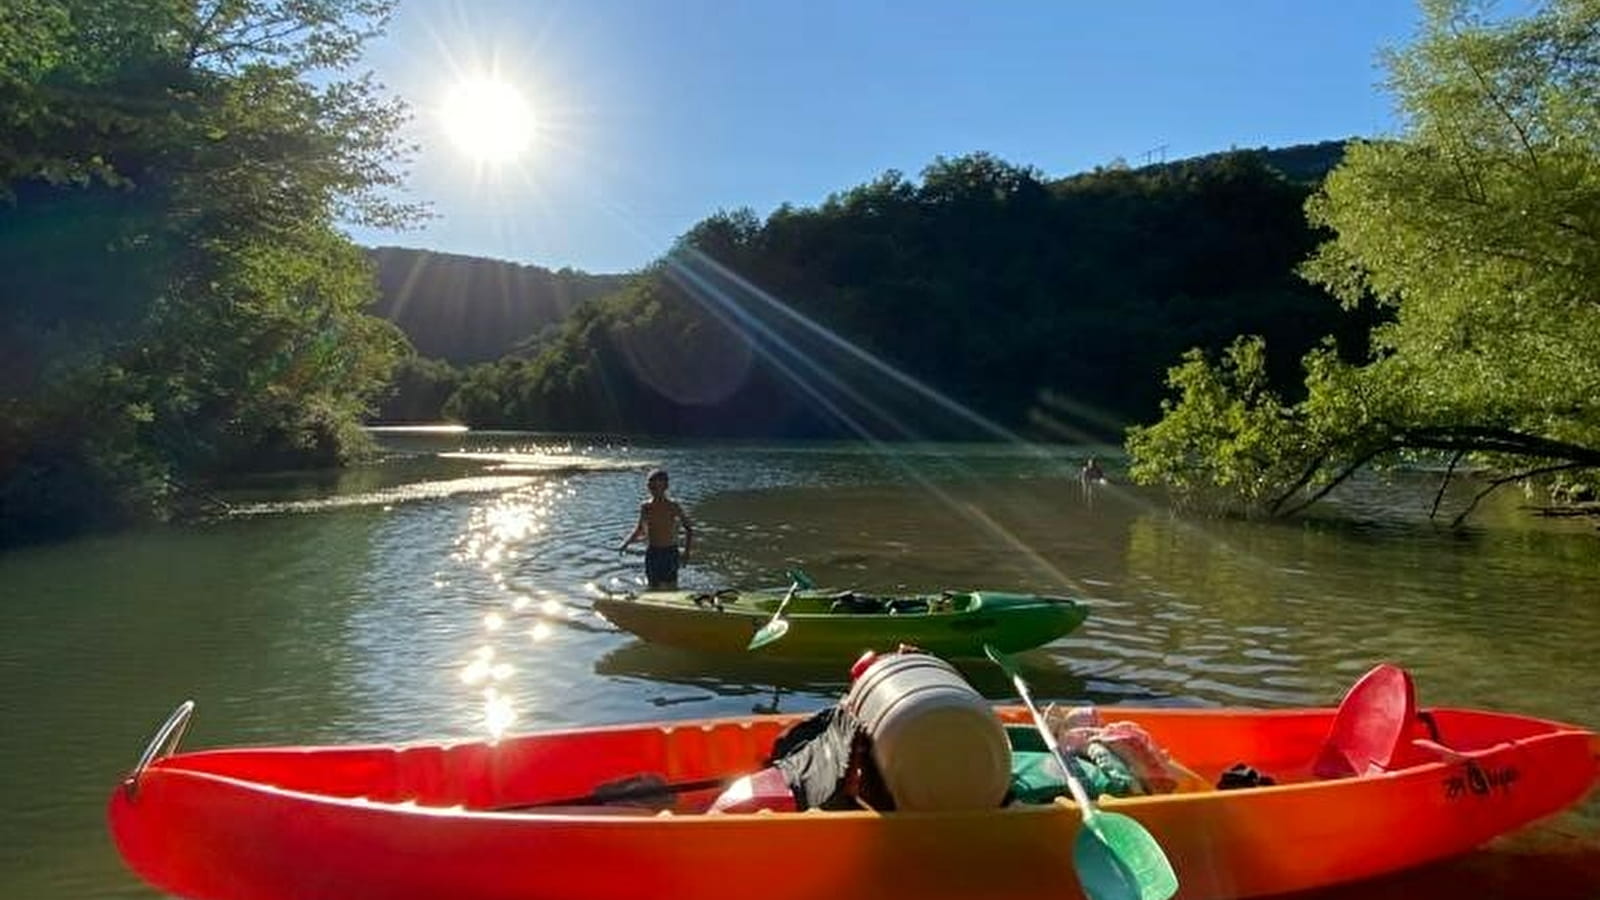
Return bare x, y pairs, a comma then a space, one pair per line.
473, 820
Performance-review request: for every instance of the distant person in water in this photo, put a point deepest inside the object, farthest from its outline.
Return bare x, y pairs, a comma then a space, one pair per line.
659, 519
1091, 473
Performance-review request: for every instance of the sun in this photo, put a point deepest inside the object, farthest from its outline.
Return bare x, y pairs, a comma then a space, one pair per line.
488, 120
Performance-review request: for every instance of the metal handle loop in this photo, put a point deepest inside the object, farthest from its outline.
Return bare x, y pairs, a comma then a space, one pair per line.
162, 745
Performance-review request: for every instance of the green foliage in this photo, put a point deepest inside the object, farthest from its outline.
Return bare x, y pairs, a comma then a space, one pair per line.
1479, 231
980, 278
31, 36
421, 388
1226, 433
181, 303
649, 359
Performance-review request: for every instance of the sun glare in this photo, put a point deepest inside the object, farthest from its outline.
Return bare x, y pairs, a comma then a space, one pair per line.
488, 120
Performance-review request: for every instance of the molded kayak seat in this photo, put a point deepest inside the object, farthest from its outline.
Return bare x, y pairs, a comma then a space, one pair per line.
1373, 727
851, 602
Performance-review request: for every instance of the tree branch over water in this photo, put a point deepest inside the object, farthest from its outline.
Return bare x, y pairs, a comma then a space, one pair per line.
173, 254
1475, 228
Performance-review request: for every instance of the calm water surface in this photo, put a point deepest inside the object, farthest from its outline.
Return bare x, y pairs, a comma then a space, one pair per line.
447, 592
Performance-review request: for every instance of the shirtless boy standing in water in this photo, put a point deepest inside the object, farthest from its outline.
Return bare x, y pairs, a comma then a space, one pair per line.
659, 519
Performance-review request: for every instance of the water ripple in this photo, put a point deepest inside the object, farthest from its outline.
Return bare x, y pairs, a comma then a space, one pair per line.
464, 609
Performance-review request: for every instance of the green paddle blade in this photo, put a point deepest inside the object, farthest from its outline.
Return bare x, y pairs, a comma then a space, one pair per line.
799, 576
768, 633
1117, 859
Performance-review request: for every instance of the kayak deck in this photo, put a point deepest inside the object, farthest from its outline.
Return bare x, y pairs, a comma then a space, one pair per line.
828, 623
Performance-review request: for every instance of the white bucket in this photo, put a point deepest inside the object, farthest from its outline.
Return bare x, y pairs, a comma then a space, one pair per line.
936, 741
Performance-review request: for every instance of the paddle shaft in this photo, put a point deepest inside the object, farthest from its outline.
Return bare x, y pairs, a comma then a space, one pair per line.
1114, 856
784, 604
637, 792
1068, 767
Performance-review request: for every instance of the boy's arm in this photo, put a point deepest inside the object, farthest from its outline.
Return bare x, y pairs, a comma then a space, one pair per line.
688, 532
637, 531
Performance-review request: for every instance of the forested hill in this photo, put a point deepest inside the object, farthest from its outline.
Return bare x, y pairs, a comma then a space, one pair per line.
467, 309
1308, 163
1054, 305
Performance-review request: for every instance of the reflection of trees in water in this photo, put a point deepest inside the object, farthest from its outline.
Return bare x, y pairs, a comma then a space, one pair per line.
1481, 618
1016, 531
1225, 611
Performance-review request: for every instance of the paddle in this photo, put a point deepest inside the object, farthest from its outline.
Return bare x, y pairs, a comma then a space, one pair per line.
1116, 858
639, 787
777, 626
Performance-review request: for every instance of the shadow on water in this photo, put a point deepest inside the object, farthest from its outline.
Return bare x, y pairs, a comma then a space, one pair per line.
1050, 677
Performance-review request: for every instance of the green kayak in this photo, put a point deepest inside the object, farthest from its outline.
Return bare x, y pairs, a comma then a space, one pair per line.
831, 623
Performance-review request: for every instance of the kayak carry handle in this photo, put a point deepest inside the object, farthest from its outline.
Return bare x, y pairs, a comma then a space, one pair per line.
162, 745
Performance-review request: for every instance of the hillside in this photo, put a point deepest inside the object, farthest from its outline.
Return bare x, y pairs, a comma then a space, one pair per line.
467, 309
1305, 163
1051, 305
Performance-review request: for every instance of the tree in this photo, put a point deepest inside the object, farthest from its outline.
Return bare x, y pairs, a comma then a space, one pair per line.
180, 300
1048, 306
1478, 232
421, 388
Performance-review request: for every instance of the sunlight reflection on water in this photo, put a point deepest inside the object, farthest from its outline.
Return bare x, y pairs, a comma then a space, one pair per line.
353, 626
469, 614
409, 493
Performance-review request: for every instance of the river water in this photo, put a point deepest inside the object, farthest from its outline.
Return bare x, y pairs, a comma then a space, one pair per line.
446, 593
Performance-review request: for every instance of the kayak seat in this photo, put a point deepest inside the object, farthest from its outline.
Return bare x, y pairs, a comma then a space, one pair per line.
1373, 729
851, 602
713, 601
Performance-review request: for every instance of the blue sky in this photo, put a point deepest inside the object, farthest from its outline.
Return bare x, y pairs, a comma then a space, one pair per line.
654, 114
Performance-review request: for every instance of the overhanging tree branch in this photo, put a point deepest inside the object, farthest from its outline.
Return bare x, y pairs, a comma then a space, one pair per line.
1350, 469
1478, 438
1305, 478
1445, 482
1458, 440
1498, 482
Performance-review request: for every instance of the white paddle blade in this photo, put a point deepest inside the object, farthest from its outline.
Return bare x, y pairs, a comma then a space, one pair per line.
768, 633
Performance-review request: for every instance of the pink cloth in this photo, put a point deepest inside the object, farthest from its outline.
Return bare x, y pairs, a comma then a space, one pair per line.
1080, 726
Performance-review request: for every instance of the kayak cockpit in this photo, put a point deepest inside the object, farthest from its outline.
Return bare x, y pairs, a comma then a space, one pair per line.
483, 775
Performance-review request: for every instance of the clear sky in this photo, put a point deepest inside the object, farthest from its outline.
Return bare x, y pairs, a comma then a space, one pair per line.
649, 115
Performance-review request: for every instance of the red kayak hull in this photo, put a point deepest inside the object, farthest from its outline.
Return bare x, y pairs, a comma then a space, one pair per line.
406, 823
